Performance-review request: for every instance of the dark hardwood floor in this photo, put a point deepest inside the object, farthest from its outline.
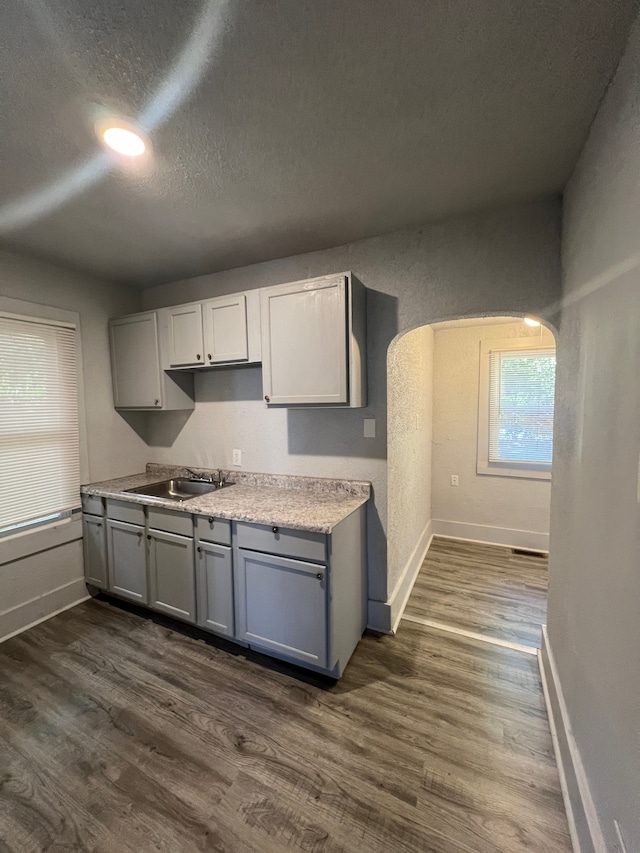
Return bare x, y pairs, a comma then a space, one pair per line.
485, 589
121, 734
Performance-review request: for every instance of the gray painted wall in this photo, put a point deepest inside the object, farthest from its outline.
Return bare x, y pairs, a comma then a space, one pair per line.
42, 572
501, 262
593, 622
490, 501
410, 421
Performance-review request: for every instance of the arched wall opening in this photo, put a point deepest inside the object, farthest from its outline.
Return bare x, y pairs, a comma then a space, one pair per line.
510, 510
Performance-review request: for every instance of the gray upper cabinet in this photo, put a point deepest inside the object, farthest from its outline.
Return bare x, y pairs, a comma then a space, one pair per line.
135, 362
313, 342
138, 379
225, 329
186, 340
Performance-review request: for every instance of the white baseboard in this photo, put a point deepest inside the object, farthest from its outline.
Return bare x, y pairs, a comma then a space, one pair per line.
584, 825
488, 535
384, 616
42, 607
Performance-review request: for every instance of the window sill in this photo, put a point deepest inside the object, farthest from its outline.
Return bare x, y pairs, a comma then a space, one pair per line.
33, 541
522, 473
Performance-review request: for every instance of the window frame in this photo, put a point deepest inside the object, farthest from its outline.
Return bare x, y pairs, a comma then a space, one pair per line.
525, 470
22, 310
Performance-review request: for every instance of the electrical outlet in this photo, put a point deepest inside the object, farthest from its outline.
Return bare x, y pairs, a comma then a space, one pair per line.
454, 480
237, 457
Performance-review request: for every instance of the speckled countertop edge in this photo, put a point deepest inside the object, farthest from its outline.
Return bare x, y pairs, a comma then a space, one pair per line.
255, 498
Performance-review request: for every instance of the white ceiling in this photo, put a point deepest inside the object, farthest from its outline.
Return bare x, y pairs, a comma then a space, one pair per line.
285, 126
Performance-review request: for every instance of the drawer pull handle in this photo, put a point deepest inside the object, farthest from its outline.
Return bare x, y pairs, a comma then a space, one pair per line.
320, 576
211, 520
275, 529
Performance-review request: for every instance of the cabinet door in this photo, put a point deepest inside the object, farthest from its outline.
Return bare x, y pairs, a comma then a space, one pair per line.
127, 560
172, 575
282, 606
225, 329
95, 551
214, 574
186, 342
135, 362
304, 342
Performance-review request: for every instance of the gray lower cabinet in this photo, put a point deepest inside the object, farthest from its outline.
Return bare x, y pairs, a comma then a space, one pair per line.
95, 550
214, 576
172, 585
126, 548
282, 606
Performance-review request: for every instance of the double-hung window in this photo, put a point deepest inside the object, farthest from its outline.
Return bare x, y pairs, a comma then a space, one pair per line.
515, 412
39, 424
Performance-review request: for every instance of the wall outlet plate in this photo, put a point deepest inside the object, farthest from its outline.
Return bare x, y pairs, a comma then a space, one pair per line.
237, 457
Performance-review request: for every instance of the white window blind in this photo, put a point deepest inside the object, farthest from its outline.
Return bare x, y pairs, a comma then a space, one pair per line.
39, 433
521, 393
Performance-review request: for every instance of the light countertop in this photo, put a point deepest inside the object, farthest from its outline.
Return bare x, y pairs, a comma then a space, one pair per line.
301, 503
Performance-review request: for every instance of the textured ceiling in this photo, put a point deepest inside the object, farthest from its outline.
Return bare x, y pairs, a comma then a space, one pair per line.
284, 126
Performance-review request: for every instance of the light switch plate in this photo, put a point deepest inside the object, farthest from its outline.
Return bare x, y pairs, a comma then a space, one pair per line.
369, 427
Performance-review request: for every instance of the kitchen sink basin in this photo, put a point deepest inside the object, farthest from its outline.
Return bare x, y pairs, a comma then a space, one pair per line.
179, 489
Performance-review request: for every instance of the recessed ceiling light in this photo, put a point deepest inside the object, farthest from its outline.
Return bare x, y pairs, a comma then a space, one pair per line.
124, 141
531, 322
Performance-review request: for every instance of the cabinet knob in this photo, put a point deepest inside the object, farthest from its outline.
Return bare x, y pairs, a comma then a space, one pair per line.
199, 549
140, 535
209, 356
266, 397
320, 576
148, 535
198, 356
211, 520
156, 402
275, 529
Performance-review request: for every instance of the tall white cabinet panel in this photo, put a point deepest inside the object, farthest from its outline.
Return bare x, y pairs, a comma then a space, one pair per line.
172, 575
127, 551
225, 329
313, 342
95, 550
214, 577
186, 342
135, 362
282, 606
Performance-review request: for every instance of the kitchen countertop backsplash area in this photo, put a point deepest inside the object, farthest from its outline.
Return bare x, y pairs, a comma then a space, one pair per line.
316, 504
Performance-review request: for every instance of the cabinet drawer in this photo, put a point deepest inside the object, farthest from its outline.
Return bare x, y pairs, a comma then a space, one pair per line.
210, 529
124, 511
172, 522
93, 504
283, 541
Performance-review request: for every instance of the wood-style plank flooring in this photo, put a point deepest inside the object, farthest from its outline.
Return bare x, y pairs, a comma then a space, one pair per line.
118, 733
485, 589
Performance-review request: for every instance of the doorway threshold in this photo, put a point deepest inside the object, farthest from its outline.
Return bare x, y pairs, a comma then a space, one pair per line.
438, 626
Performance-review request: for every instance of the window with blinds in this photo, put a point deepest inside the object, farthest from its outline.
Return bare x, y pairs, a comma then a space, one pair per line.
521, 394
39, 432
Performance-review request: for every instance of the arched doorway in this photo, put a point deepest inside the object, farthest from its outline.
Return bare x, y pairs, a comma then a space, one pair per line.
470, 423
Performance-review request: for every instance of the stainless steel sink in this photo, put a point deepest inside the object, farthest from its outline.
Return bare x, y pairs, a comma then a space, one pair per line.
179, 489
